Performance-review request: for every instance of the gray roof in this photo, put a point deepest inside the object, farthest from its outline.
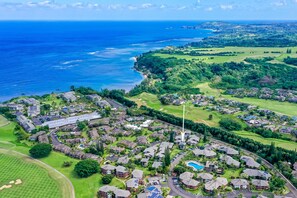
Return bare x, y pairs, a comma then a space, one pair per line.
108, 167
230, 161
215, 184
250, 162
157, 164
107, 188
239, 182
257, 173
132, 183
260, 183
228, 150
137, 174
186, 175
204, 152
121, 169
123, 160
190, 182
122, 193
206, 176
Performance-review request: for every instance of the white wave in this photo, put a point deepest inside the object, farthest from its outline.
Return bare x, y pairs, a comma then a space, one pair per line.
133, 59
112, 52
71, 62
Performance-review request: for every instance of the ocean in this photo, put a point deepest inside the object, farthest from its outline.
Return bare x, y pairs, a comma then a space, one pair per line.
43, 57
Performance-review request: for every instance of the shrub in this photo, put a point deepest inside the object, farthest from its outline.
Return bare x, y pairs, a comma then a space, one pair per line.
106, 179
40, 150
67, 163
230, 124
86, 168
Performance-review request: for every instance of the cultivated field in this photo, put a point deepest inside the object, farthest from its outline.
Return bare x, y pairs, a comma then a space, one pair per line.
35, 180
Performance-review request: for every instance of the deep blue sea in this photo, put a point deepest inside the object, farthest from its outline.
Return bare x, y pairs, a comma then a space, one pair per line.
44, 57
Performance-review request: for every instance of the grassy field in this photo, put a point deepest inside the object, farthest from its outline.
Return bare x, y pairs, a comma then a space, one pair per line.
86, 187
3, 121
278, 142
285, 108
242, 53
199, 115
36, 181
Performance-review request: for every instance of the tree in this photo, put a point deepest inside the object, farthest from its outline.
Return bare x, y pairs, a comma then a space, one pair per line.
82, 125
67, 163
86, 168
210, 117
277, 184
171, 138
40, 150
167, 157
205, 136
106, 179
230, 124
179, 170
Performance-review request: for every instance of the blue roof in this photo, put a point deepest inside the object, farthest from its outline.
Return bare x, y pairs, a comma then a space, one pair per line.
154, 192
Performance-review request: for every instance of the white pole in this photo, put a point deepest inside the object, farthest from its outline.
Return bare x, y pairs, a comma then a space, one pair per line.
183, 130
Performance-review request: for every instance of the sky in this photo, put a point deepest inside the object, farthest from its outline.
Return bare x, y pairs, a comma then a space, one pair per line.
148, 10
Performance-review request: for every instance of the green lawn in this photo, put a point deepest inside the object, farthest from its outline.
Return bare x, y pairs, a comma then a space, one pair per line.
84, 187
3, 121
36, 181
286, 108
278, 142
242, 54
197, 114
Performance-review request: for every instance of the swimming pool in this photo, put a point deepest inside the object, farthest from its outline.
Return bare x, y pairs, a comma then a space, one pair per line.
195, 165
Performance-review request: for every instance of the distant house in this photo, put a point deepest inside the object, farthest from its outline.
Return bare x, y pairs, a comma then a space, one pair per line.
215, 184
93, 134
205, 152
94, 97
205, 177
25, 123
107, 139
228, 150
151, 192
132, 184
250, 162
142, 140
144, 162
123, 160
112, 191
230, 161
259, 174
117, 150
43, 139
34, 110
260, 184
193, 140
157, 164
210, 166
103, 104
122, 172
128, 144
239, 183
108, 169
187, 180
68, 96
138, 174
35, 136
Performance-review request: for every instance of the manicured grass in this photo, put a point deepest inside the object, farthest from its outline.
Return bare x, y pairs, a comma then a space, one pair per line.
286, 108
232, 173
84, 187
197, 114
278, 142
242, 54
3, 121
37, 182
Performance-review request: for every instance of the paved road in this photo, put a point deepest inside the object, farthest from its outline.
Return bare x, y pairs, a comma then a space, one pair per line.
181, 192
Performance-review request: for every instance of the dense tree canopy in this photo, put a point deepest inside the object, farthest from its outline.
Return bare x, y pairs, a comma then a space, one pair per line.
40, 150
86, 168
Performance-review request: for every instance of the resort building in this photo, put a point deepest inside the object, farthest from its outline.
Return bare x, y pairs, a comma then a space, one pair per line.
239, 183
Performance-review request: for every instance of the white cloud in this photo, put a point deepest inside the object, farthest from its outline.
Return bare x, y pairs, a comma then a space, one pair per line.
280, 3
131, 7
114, 6
226, 7
209, 9
146, 5
182, 7
164, 6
